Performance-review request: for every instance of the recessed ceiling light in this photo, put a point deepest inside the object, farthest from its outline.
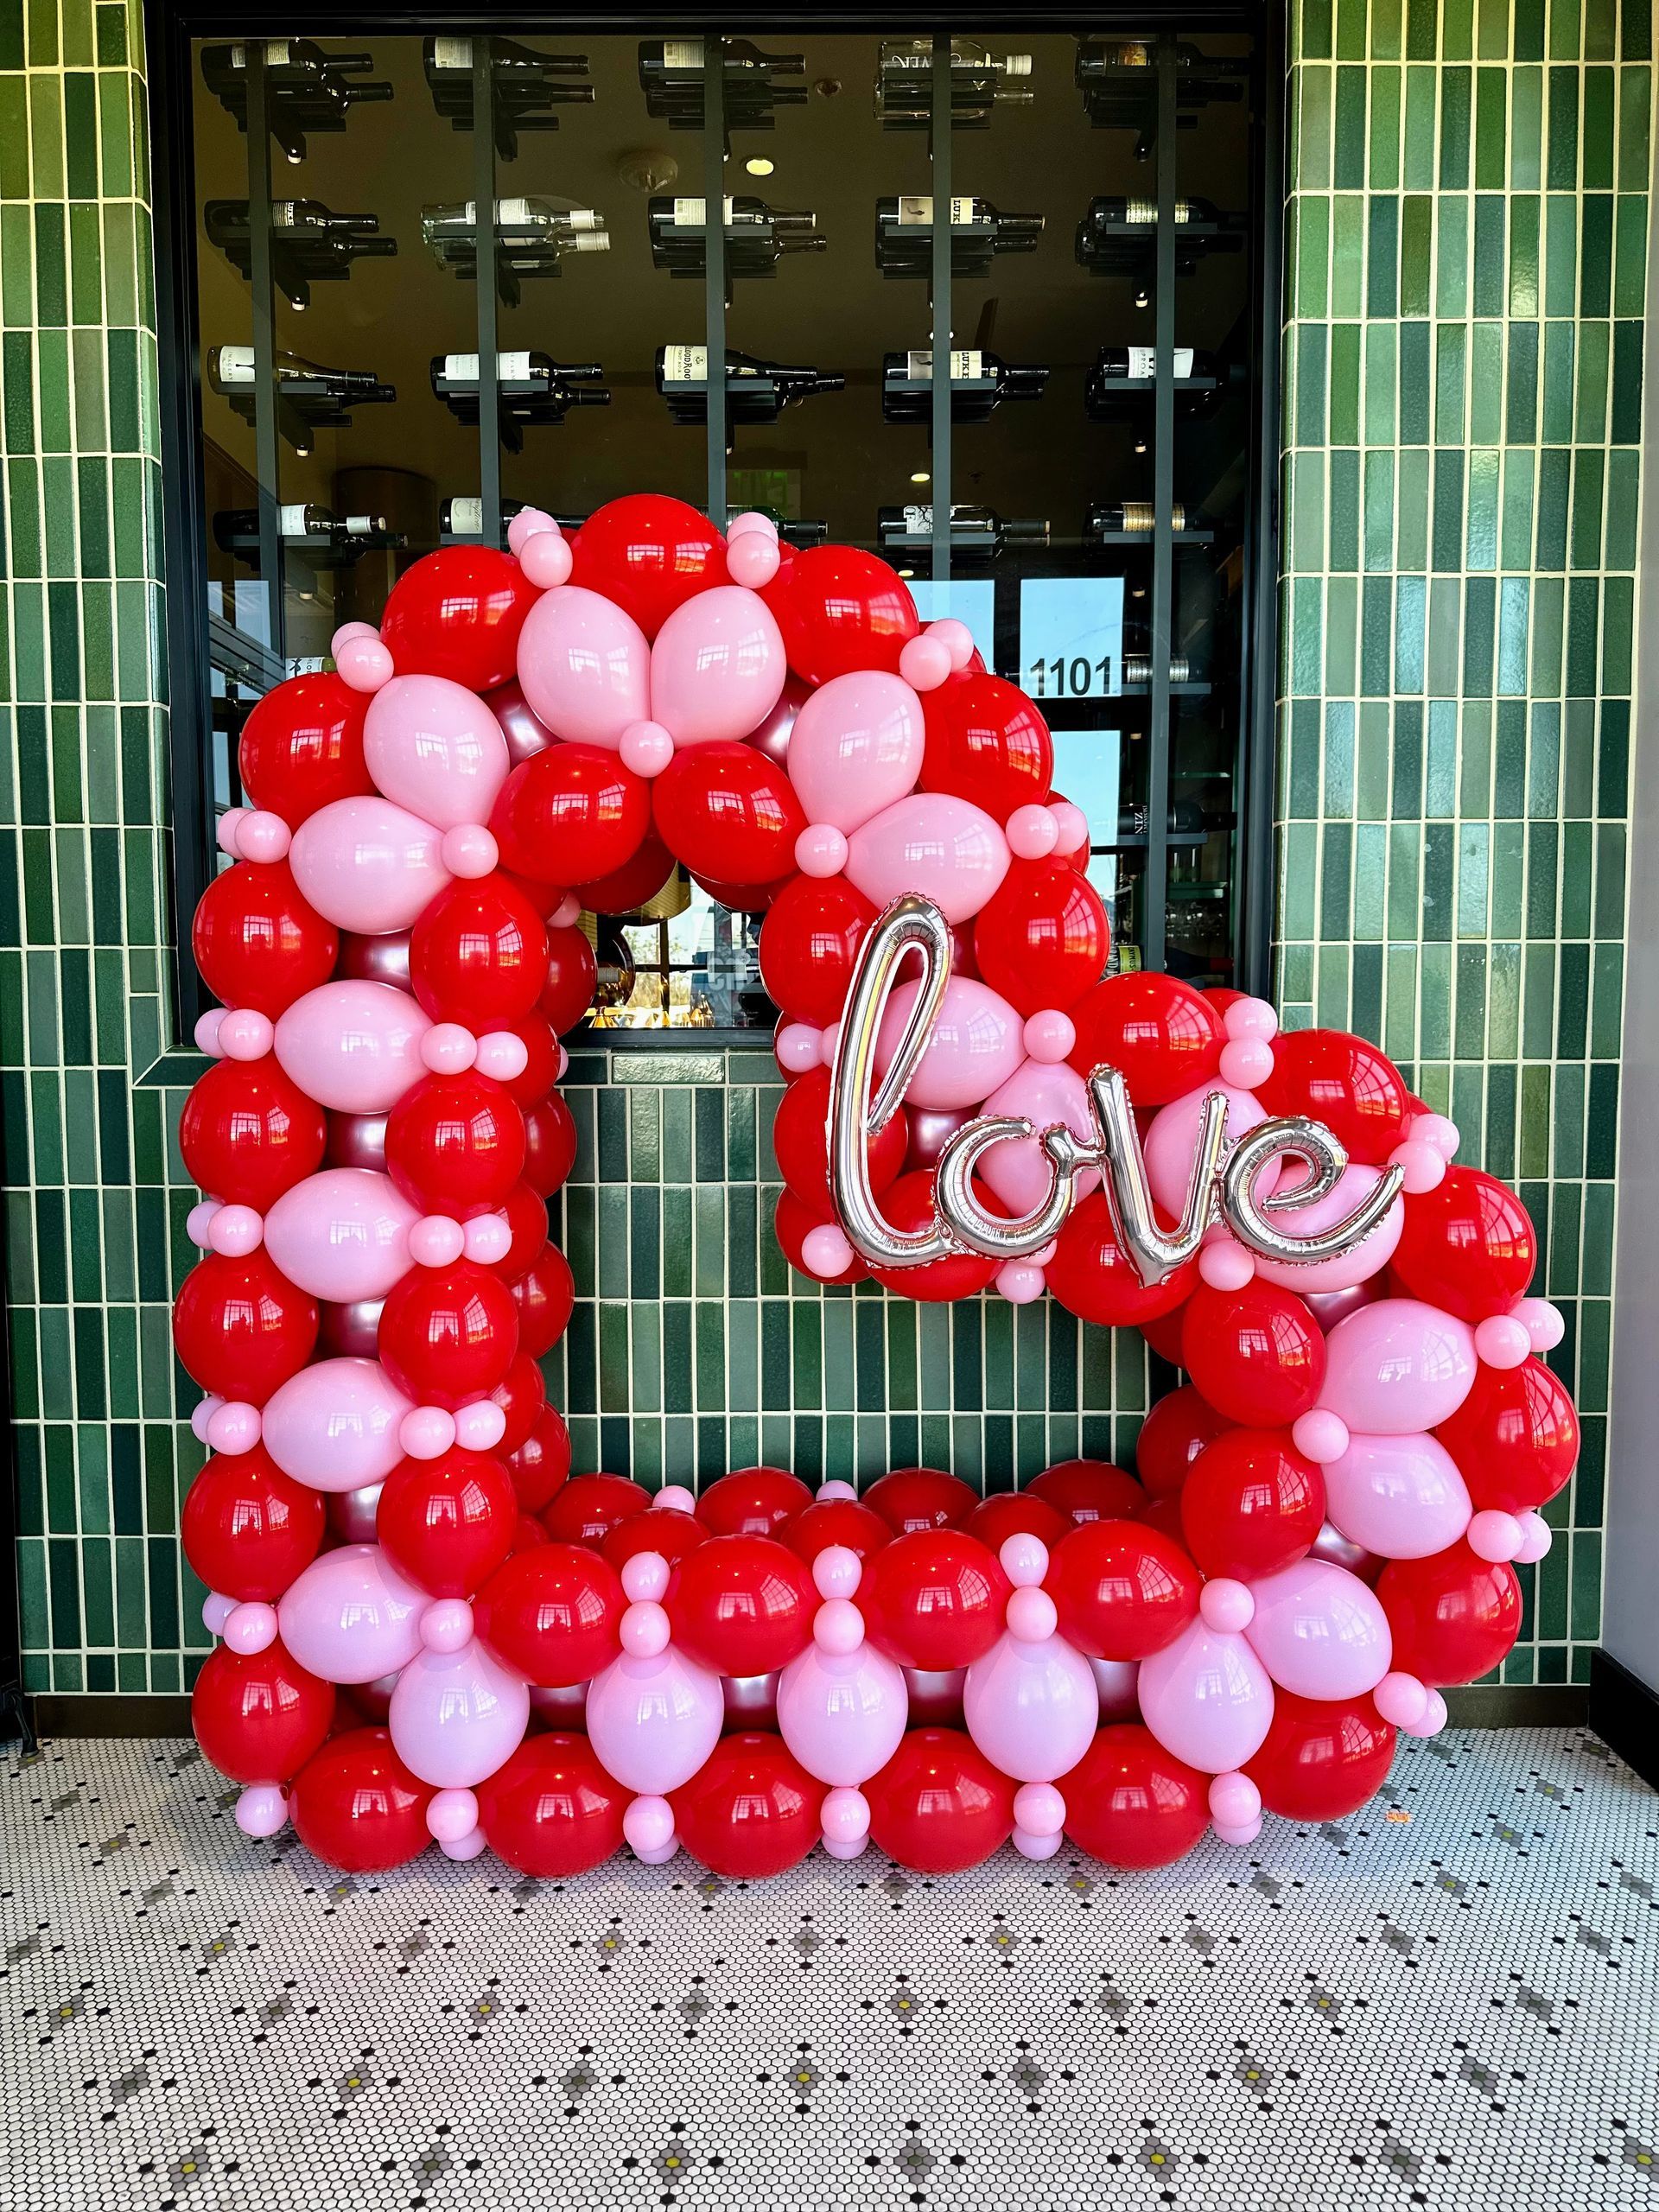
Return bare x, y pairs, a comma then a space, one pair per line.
920, 476
757, 165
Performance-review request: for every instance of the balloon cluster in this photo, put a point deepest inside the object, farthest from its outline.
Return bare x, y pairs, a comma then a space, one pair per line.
430, 1632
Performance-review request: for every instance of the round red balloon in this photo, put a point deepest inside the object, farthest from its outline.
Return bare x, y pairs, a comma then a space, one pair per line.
550, 1146
259, 1718
249, 1133
1453, 1616
544, 1297
1163, 1037
987, 742
355, 1805
540, 1464
751, 1501
631, 886
921, 1497
522, 1395
240, 1328
445, 1524
571, 974
301, 748
1122, 1590
1172, 1436
1322, 1758
938, 1806
794, 1220
1252, 1504
449, 1335
800, 1141
1515, 1437
1014, 1513
554, 1612
1043, 938
478, 953
569, 814
808, 943
455, 1145
458, 613
752, 1810
841, 610
257, 941
1088, 1489
741, 1604
908, 1204
1257, 1354
665, 1530
726, 812
589, 1506
541, 1069
842, 1521
650, 554
1129, 1803
934, 1599
248, 1529
1347, 1083
1467, 1246
526, 1217
551, 1810
1092, 1277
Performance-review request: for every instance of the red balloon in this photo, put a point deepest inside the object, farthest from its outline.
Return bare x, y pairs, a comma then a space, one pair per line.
751, 1501
550, 1145
569, 814
544, 1296
540, 1466
1172, 1436
1122, 1590
458, 613
1467, 1246
1453, 1616
522, 1395
794, 1222
447, 1335
742, 898
1014, 1513
1043, 937
921, 1497
1256, 1354
741, 1604
355, 1805
841, 610
1088, 1489
1130, 1803
572, 972
301, 748
541, 1070
240, 1328
248, 1529
478, 953
1163, 1334
526, 1213
1092, 1277
631, 886
835, 1520
800, 1141
938, 1806
650, 554
934, 1599
908, 1204
1252, 1504
528, 1535
987, 742
1347, 1083
550, 1810
587, 1508
663, 1530
455, 1145
1515, 1437
1164, 1514
445, 1524
726, 811
808, 943
1321, 1759
553, 1612
259, 1718
257, 941
248, 1133
1163, 1037
751, 1809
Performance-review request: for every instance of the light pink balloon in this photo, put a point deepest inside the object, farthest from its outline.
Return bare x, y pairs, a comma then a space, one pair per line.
1049, 1095
455, 1716
1400, 1497
1319, 1631
1207, 1698
717, 666
367, 865
973, 1045
353, 1047
1172, 1143
1397, 1368
584, 666
435, 748
351, 1616
333, 1425
652, 1722
1031, 1708
342, 1234
856, 748
842, 1714
945, 848
1349, 1269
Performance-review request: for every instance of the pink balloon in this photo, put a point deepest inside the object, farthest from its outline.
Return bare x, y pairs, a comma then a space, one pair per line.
1353, 1187
843, 1715
342, 1234
435, 748
334, 1425
1319, 1631
856, 748
455, 1716
1397, 1368
654, 1721
1172, 1143
973, 1045
1031, 1708
584, 666
351, 1616
1400, 1497
1048, 1096
1207, 1698
717, 666
367, 865
353, 1047
947, 848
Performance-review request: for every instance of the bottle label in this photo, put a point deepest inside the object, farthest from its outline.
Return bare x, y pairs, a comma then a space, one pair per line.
685, 363
918, 207
1143, 360
965, 367
919, 521
290, 522
452, 54
513, 368
235, 365
359, 525
516, 212
466, 516
688, 215
460, 368
682, 53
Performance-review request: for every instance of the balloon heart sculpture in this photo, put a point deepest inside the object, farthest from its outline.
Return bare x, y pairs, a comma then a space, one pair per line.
431, 1631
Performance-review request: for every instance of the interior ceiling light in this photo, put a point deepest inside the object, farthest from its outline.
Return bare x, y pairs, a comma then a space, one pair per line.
757, 165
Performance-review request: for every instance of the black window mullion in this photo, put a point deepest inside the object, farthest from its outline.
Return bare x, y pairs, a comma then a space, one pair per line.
713, 231
489, 389
1154, 928
939, 122
264, 350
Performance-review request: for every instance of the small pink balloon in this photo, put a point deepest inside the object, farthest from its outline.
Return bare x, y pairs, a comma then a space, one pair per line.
826, 1251
1494, 1535
205, 1032
233, 1428
648, 1825
528, 523
646, 1577
469, 1847
435, 1241
1397, 1368
1544, 1323
565, 916
1032, 1708
957, 638
1250, 1017
838, 1627
216, 1609
796, 1046
1435, 1129
1072, 824
481, 1426
752, 560
547, 561
973, 1044
1320, 1436
342, 1234
717, 666
829, 1044
250, 1628
1535, 1539
1402, 1701
1400, 1497
647, 748
945, 848
456, 1716
446, 1625
924, 662
1246, 1062
486, 1238
335, 1426
447, 1049
1224, 1265
1033, 833
469, 851
1234, 1800
1033, 1617
1039, 1809
202, 1413
262, 836
821, 850
751, 523
1226, 1605
227, 831
1422, 1167
368, 865
845, 1815
1049, 1036
1434, 1719
837, 1570
1319, 1631
584, 665
364, 664
856, 748
674, 1498
261, 1810
1502, 1341
353, 1047
1024, 1559
198, 1224
1020, 1282
502, 1057
245, 1034
1207, 1698
652, 1722
348, 631
452, 1815
1238, 1833
645, 1630
427, 1432
842, 1712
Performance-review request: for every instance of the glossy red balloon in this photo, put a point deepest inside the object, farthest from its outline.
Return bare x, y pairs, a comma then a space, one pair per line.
934, 1599
540, 1464
248, 1133
550, 1145
447, 1335
1088, 1489
650, 554
248, 1529
445, 1524
1347, 1083
840, 610
793, 1222
800, 1141
742, 898
844, 1521
550, 1810
987, 742
1163, 1037
477, 953
1453, 1616
572, 972
570, 814
544, 1298
259, 1718
1122, 1590
1322, 1760
808, 943
301, 748
1257, 1354
938, 1806
522, 1395
554, 1612
910, 1498
631, 886
1515, 1437
908, 1204
1163, 1334
1014, 1513
1043, 937
751, 1501
355, 1805
1092, 1278
752, 1810
257, 941
1467, 1246
1172, 1436
240, 1328
1252, 1504
726, 812
741, 1604
526, 1215
665, 1530
1164, 1514
458, 613
455, 1145
589, 1506
1129, 1803
541, 1069
528, 1535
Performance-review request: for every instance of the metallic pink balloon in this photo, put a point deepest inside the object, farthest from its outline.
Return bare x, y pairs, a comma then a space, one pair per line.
373, 1700
564, 1707
1332, 1544
1399, 1497
945, 848
856, 748
526, 735
356, 1141
1032, 1708
1330, 1307
842, 1714
1117, 1681
351, 1513
750, 1701
1047, 1096
774, 736
351, 1616
1397, 1368
335, 1426
366, 864
584, 666
1207, 1698
935, 1695
717, 666
342, 1234
353, 1047
931, 1129
973, 1045
654, 1721
434, 746
350, 1331
1319, 1631
456, 1716
376, 959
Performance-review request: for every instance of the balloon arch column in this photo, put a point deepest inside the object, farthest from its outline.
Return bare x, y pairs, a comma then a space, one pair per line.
431, 1631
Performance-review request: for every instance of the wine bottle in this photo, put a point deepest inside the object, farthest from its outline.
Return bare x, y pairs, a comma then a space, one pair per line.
529, 231
462, 515
791, 530
1116, 234
980, 82
1186, 822
1137, 669
310, 243
305, 88
977, 534
530, 388
525, 87
309, 396
1135, 518
1114, 211
1118, 80
757, 236
979, 231
756, 390
979, 382
320, 538
671, 72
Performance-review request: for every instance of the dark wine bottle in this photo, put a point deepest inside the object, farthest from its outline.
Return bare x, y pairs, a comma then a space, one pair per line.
756, 390
1186, 825
461, 516
305, 89
757, 236
979, 382
526, 86
671, 72
1118, 79
1135, 518
977, 534
980, 82
531, 388
321, 538
310, 243
979, 231
309, 396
